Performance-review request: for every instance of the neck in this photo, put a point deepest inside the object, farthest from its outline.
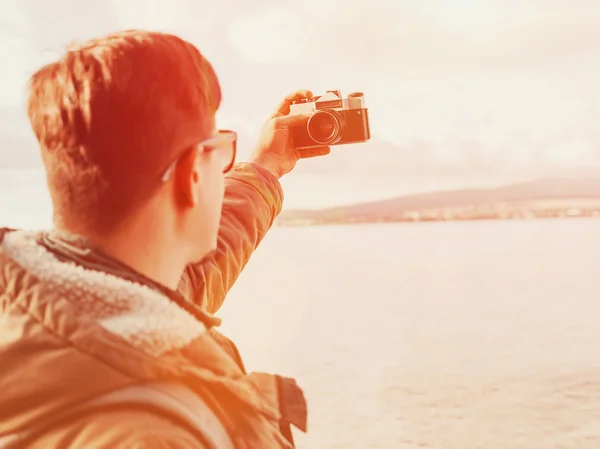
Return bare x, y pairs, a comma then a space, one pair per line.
144, 249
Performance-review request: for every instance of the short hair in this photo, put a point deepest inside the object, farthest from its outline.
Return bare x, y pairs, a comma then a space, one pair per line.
105, 116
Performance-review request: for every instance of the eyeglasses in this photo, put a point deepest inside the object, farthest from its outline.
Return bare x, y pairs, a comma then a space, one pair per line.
225, 142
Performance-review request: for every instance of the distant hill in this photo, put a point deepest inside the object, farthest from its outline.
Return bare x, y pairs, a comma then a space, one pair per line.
540, 198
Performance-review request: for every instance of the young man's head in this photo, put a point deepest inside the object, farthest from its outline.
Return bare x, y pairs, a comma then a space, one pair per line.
127, 133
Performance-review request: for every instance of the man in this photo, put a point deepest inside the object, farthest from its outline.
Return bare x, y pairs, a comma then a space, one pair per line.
153, 223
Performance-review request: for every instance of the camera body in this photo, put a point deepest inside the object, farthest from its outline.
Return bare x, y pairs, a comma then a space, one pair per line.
334, 120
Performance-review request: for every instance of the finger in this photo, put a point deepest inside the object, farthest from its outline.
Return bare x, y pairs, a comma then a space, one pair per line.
284, 106
297, 94
287, 121
313, 152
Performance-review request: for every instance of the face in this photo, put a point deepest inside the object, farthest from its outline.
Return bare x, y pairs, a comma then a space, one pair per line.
197, 180
205, 215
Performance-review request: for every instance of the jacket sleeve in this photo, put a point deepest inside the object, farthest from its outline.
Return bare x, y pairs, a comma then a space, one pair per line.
118, 429
253, 198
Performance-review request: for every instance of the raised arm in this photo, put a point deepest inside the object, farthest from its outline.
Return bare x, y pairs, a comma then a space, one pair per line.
253, 198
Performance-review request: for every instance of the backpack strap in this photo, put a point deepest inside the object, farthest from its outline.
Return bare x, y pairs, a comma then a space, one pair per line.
174, 400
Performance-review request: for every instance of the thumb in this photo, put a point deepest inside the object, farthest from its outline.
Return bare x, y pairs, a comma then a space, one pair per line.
284, 106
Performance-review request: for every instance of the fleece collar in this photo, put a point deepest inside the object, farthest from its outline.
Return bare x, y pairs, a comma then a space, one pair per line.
140, 315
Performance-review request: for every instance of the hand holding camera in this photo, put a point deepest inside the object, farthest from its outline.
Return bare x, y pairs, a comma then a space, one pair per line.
305, 126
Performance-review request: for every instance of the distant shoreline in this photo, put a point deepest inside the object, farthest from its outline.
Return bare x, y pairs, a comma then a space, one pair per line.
500, 211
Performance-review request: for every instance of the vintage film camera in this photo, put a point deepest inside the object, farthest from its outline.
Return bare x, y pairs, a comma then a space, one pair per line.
333, 120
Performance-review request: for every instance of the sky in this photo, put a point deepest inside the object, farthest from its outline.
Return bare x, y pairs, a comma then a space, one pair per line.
459, 92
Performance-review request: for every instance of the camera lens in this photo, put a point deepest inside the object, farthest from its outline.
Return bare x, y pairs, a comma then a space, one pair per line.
324, 127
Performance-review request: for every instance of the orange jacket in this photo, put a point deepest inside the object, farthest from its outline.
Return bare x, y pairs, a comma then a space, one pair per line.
69, 334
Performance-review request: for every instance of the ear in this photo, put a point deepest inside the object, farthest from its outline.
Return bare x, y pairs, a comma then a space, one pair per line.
187, 178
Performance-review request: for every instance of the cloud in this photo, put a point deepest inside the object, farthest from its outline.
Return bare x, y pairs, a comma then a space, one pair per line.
450, 84
401, 35
485, 84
